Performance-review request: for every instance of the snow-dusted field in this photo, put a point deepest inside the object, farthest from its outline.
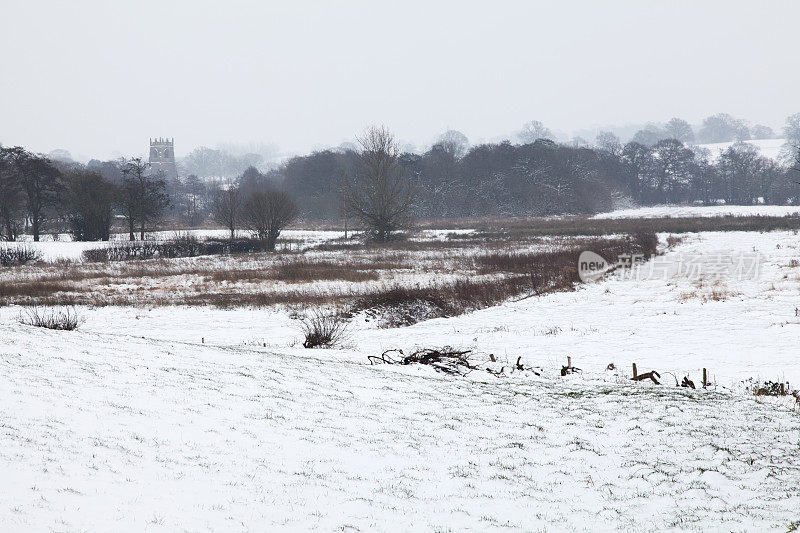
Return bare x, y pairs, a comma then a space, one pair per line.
771, 148
682, 211
176, 418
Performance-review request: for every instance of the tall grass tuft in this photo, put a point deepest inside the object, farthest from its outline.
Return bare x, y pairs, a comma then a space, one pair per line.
64, 319
322, 329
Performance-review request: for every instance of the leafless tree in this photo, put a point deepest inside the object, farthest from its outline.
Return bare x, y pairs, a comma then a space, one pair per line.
226, 208
266, 214
11, 211
143, 198
41, 183
533, 130
375, 192
796, 164
454, 143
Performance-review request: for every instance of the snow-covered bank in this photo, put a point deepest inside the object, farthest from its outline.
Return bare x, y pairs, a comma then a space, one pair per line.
103, 431
685, 211
205, 419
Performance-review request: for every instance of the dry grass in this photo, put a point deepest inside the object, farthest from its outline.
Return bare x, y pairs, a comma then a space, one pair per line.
64, 319
581, 225
440, 280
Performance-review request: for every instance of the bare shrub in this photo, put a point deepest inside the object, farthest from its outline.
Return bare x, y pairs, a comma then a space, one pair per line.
65, 319
648, 241
17, 255
323, 329
398, 306
673, 241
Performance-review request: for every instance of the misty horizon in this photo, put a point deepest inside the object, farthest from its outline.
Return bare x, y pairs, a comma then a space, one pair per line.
99, 80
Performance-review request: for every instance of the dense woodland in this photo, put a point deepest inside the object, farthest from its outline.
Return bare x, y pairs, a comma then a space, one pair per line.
535, 176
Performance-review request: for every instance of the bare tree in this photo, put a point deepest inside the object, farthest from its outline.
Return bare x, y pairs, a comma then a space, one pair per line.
227, 207
10, 194
679, 129
266, 214
88, 202
143, 198
533, 130
41, 183
375, 192
454, 143
608, 142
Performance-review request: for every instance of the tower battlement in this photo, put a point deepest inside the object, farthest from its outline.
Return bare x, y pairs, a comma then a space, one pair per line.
162, 157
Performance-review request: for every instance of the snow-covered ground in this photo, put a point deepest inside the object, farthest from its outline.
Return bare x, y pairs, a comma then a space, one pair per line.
174, 418
682, 211
770, 148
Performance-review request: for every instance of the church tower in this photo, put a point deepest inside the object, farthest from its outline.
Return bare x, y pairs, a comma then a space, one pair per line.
162, 157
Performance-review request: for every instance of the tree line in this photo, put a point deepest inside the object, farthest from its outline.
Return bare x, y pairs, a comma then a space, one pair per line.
382, 187
39, 195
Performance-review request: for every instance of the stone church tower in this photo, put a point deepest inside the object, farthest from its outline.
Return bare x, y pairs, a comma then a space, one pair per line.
162, 157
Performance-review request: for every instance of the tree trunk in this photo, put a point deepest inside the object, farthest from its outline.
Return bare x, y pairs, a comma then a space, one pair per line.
131, 229
141, 235
35, 228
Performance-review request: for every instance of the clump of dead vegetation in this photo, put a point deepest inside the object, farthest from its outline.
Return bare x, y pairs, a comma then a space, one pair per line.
303, 270
673, 241
446, 359
181, 246
64, 319
17, 255
768, 387
504, 275
323, 329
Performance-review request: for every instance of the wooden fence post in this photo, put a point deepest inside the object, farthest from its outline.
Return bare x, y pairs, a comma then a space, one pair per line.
634, 371
569, 361
705, 378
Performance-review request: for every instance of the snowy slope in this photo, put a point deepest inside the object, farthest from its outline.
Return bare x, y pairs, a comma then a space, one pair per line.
770, 148
182, 419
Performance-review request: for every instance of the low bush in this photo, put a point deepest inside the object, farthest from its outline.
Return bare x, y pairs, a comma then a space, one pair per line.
673, 241
66, 319
323, 330
183, 246
17, 255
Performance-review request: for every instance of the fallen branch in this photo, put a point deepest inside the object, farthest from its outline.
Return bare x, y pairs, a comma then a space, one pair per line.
648, 375
445, 360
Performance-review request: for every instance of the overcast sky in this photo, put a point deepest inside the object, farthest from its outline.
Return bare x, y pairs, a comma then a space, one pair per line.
100, 78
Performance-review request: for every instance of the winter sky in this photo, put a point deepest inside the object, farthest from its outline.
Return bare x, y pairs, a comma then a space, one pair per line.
99, 78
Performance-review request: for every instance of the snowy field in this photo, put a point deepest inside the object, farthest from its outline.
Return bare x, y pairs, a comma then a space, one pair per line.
195, 418
771, 148
683, 211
